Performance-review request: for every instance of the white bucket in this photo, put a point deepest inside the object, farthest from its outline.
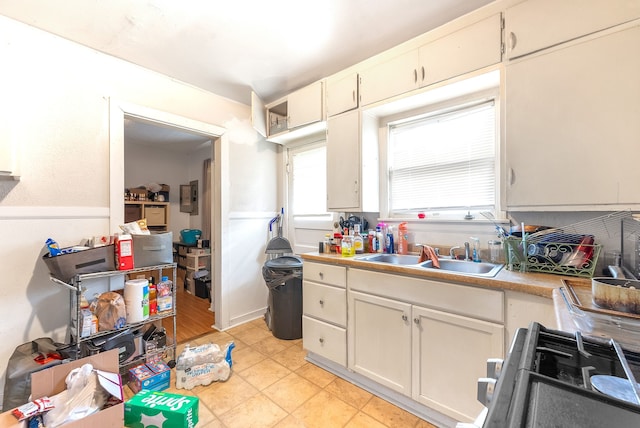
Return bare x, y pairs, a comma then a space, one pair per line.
136, 299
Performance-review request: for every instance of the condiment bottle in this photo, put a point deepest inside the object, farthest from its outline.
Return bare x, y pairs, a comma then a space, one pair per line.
358, 242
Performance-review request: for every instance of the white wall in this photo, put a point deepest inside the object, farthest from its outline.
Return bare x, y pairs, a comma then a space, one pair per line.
144, 164
55, 108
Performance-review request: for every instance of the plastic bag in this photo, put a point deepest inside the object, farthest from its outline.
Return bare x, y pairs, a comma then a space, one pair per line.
111, 311
23, 362
83, 396
203, 364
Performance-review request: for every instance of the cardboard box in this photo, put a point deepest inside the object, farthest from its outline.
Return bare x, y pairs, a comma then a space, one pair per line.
51, 381
154, 249
148, 408
155, 216
154, 376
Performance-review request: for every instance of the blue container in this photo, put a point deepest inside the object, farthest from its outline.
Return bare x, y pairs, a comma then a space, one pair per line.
190, 236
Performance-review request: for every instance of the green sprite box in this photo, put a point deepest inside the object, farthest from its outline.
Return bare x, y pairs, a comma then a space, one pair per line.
160, 409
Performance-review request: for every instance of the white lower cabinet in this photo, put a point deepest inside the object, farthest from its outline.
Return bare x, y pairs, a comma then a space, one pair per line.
428, 340
380, 340
449, 354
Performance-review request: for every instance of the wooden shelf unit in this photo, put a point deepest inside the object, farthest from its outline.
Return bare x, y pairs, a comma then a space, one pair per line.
156, 213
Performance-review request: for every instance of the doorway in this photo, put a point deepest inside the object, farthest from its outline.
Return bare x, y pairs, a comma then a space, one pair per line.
136, 130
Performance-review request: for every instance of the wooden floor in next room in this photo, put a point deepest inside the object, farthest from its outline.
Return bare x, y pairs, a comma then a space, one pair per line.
193, 317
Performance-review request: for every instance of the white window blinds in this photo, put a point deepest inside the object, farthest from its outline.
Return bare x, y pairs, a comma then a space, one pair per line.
444, 162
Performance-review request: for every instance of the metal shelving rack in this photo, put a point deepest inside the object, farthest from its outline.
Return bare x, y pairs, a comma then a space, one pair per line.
75, 288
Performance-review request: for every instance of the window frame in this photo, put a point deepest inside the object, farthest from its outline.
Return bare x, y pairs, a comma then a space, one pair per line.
431, 109
312, 222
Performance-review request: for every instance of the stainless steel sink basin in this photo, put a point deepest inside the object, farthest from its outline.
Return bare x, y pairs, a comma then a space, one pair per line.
459, 267
394, 259
466, 267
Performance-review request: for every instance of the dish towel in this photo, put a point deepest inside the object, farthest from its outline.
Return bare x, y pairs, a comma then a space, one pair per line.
428, 253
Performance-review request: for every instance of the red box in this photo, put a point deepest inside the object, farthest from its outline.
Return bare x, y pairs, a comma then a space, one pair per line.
124, 252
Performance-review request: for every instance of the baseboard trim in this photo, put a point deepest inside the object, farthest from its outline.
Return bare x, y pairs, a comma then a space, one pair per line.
423, 412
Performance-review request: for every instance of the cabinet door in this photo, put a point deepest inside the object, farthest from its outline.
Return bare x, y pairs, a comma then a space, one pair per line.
305, 105
572, 124
471, 48
379, 340
389, 78
537, 24
342, 94
449, 355
343, 161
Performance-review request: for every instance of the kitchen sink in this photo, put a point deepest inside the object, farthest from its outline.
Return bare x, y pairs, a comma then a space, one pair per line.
466, 267
394, 259
460, 267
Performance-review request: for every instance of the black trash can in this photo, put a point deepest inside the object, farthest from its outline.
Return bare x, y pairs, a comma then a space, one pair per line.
283, 276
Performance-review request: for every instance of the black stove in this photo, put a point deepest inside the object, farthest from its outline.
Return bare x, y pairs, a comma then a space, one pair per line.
556, 379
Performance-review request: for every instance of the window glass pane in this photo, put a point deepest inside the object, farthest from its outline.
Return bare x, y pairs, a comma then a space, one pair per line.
309, 181
444, 162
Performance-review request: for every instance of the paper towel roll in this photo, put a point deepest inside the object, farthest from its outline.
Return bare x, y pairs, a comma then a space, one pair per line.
136, 298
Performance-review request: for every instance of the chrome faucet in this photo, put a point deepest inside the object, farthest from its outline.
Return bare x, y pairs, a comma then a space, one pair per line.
452, 252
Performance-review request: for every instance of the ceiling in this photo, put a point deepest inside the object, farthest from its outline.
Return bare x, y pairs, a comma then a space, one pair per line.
232, 47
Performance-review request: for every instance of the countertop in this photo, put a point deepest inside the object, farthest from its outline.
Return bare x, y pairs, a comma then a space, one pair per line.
538, 284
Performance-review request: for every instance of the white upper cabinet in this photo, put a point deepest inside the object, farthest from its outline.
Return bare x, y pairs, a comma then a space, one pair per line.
295, 116
343, 165
538, 24
305, 105
470, 48
352, 163
389, 78
342, 94
572, 128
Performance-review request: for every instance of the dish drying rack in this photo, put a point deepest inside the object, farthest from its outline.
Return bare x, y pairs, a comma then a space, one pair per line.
569, 250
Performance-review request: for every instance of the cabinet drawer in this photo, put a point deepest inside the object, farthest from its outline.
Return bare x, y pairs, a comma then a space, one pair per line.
328, 274
325, 302
155, 216
324, 339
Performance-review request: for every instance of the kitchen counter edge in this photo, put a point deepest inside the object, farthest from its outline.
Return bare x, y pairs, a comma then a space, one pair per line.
538, 284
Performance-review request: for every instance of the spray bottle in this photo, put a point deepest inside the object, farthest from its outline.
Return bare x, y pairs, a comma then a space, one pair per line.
389, 246
403, 243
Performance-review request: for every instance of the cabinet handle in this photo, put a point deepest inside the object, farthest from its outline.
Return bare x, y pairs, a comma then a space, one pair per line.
404, 317
513, 40
321, 275
512, 177
353, 95
321, 302
422, 73
415, 76
416, 320
321, 340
